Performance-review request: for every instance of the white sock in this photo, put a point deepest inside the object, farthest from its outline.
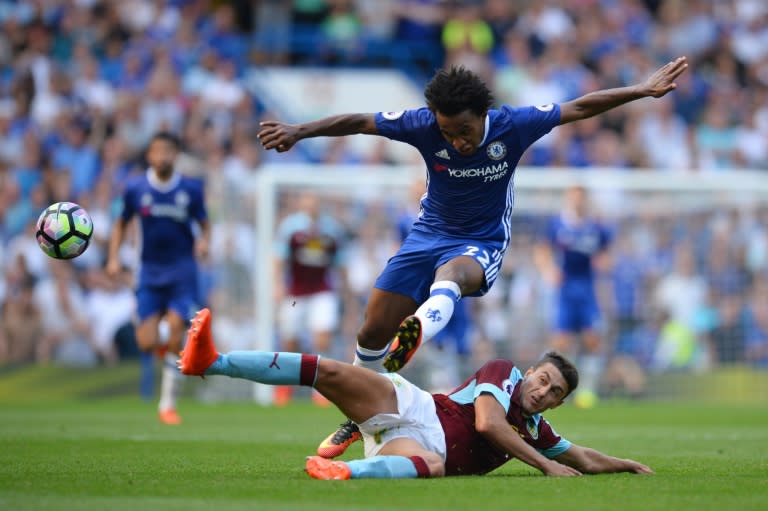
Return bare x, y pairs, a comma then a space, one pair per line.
370, 359
436, 312
590, 369
170, 382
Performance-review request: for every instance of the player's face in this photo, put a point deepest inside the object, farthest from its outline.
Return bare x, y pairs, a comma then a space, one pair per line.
577, 200
463, 131
161, 155
542, 389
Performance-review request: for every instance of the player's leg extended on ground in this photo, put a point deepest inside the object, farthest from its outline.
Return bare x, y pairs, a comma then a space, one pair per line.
383, 314
358, 392
401, 458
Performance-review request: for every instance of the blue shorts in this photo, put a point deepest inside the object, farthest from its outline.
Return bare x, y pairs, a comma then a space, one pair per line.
180, 296
412, 270
577, 308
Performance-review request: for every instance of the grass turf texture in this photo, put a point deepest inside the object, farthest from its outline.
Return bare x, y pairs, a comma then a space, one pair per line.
59, 452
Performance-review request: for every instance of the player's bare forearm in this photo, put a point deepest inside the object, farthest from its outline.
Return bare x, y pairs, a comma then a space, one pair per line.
657, 85
339, 125
203, 244
113, 252
281, 137
591, 461
598, 102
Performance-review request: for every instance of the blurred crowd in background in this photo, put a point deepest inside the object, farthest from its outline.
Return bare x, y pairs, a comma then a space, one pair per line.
84, 84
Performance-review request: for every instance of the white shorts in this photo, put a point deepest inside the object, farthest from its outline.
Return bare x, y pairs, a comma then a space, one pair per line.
314, 313
416, 419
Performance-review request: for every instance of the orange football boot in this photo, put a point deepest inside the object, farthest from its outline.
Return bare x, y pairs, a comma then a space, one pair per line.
407, 340
169, 417
200, 351
337, 442
321, 468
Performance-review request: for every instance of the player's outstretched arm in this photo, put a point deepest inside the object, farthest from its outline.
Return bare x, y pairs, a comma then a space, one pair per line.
656, 85
591, 461
491, 422
281, 136
113, 251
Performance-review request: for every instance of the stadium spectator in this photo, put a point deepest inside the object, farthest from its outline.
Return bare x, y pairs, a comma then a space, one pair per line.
110, 307
728, 337
756, 349
66, 330
21, 325
309, 279
410, 433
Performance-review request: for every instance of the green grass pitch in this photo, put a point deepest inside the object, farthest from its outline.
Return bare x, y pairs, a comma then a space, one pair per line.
60, 453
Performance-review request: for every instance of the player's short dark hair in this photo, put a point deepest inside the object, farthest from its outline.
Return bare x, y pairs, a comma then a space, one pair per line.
457, 89
166, 136
565, 366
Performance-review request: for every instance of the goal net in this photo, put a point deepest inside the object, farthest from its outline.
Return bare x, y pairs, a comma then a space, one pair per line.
684, 297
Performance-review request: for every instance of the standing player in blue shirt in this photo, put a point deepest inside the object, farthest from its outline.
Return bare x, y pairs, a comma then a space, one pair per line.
572, 248
168, 206
457, 243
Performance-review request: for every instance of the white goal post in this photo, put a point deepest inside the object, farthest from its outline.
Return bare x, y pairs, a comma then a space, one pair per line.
532, 185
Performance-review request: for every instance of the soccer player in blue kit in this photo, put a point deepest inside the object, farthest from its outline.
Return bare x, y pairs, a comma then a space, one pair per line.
573, 245
456, 246
167, 205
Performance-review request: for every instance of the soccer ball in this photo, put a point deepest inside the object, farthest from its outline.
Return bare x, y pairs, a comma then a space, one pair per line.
64, 230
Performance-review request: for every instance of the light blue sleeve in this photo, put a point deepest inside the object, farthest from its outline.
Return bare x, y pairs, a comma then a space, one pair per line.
487, 388
557, 449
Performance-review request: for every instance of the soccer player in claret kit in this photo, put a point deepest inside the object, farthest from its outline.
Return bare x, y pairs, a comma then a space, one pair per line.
456, 246
168, 206
493, 417
309, 273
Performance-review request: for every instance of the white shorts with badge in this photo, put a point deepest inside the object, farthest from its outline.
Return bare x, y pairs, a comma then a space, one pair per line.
416, 419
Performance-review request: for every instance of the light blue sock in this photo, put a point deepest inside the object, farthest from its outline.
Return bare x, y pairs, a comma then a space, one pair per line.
383, 467
273, 368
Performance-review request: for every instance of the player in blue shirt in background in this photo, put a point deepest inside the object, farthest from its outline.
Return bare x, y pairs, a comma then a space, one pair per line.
174, 232
573, 248
456, 246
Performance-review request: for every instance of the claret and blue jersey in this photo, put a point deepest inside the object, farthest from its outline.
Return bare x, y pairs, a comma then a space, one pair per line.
467, 451
470, 196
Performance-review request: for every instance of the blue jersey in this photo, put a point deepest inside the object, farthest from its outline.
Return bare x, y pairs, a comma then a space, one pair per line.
166, 213
575, 245
470, 197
